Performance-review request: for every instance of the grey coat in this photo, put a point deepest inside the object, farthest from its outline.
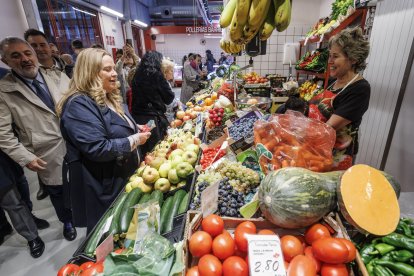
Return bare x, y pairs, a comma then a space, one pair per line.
36, 125
191, 80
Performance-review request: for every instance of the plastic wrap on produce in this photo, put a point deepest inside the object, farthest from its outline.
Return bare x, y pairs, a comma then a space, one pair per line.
293, 140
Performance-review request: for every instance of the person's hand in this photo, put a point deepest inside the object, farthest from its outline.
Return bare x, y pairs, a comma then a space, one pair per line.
141, 127
37, 165
143, 137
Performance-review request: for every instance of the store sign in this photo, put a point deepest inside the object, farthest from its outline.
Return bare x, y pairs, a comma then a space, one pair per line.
265, 255
203, 29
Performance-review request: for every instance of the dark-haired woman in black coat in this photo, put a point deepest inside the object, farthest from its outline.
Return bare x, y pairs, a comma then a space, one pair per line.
150, 94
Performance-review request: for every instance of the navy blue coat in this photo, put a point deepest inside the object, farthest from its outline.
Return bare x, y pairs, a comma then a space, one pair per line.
10, 171
99, 158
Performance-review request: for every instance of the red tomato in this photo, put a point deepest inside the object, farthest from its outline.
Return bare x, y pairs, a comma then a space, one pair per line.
309, 254
86, 265
213, 225
68, 269
235, 266
209, 265
330, 250
200, 243
266, 232
223, 246
93, 270
291, 247
225, 232
301, 266
240, 236
334, 270
193, 271
351, 249
316, 232
247, 224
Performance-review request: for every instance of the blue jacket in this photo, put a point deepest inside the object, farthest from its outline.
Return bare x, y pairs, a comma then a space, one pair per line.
99, 158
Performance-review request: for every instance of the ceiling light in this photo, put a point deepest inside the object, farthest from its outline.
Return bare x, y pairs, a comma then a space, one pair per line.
112, 11
140, 23
79, 10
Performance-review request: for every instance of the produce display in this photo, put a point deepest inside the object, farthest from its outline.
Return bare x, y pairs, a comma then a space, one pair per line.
309, 89
242, 128
210, 155
315, 61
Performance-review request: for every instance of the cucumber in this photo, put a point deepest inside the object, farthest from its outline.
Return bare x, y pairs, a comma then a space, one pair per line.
177, 198
117, 210
165, 210
94, 238
183, 205
127, 212
158, 195
146, 197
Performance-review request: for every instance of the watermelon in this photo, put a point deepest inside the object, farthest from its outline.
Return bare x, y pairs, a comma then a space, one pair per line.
296, 197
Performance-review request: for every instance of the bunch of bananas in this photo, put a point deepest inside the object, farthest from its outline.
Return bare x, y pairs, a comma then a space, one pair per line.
246, 18
230, 47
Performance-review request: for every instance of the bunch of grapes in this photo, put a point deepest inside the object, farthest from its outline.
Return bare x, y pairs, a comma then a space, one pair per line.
216, 115
196, 203
230, 200
240, 178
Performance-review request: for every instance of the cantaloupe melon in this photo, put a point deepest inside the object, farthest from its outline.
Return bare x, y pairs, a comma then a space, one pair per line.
367, 200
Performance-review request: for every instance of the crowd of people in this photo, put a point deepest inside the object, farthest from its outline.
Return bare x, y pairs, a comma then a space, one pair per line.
65, 117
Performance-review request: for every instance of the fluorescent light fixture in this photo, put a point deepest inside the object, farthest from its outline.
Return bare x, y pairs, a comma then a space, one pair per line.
76, 9
140, 23
112, 11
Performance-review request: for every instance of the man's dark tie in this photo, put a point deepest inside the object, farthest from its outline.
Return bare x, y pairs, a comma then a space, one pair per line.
44, 95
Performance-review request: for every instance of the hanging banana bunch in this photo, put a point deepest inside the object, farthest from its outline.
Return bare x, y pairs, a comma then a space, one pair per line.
244, 19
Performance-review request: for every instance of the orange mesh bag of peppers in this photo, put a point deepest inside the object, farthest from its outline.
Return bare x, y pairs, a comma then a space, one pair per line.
293, 140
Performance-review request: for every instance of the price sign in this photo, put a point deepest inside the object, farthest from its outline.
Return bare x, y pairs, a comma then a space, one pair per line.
209, 199
199, 124
265, 255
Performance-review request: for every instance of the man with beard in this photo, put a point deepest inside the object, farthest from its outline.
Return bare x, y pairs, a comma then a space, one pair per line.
27, 98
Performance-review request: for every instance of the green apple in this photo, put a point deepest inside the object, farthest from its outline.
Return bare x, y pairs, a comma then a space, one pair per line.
128, 187
176, 160
144, 187
190, 157
174, 153
140, 170
173, 177
193, 147
157, 162
184, 169
150, 175
135, 182
182, 183
164, 168
162, 184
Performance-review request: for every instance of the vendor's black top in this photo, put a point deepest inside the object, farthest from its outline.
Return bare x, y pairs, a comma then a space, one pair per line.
351, 104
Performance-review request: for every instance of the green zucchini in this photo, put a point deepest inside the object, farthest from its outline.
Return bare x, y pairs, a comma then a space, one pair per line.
158, 195
177, 198
94, 238
146, 197
127, 212
183, 205
115, 227
165, 210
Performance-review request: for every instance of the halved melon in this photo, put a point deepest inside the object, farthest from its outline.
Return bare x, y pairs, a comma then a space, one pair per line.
367, 200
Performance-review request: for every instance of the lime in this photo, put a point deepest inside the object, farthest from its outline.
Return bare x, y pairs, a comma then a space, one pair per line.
249, 209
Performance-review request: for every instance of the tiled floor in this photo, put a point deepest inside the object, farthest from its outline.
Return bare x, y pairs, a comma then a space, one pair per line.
15, 259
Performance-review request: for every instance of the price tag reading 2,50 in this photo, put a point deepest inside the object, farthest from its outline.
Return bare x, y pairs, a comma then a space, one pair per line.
265, 255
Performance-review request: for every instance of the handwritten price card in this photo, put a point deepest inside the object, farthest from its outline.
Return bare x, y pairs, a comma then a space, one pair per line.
265, 255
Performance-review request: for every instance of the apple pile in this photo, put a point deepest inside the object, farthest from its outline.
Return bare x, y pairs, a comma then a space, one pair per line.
254, 78
167, 167
216, 116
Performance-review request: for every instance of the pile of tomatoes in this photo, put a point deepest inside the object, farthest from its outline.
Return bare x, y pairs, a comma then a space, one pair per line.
85, 269
208, 156
220, 253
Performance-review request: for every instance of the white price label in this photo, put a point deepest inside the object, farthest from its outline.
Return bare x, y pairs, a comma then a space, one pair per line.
265, 255
209, 199
107, 225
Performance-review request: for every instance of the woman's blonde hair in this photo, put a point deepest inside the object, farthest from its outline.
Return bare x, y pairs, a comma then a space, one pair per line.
86, 81
166, 65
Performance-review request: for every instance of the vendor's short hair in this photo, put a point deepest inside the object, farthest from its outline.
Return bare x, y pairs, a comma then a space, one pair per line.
77, 44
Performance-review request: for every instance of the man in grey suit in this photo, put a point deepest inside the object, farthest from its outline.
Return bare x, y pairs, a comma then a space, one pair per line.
28, 96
